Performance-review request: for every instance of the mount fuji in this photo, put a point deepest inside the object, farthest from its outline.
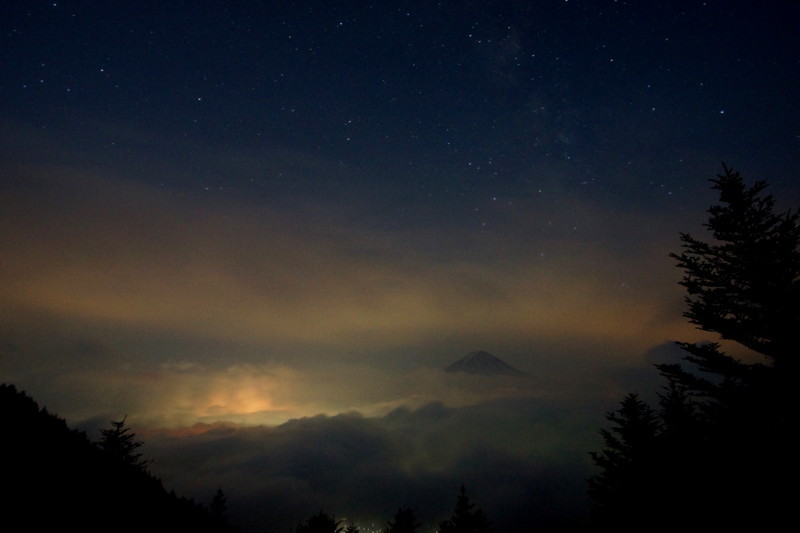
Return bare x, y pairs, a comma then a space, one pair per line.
483, 363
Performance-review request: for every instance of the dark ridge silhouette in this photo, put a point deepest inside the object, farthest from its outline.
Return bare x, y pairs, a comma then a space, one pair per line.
56, 479
484, 364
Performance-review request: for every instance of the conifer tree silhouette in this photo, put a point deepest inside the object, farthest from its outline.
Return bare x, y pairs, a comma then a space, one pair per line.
724, 434
321, 523
621, 489
465, 518
219, 505
405, 521
120, 442
743, 285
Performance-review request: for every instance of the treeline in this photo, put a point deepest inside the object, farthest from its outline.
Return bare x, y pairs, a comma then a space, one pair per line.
56, 478
466, 518
719, 451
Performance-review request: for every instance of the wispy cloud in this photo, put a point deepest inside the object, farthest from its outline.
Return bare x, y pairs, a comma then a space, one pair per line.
223, 309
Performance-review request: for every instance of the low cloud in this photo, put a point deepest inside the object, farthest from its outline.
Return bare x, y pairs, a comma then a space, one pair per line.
518, 457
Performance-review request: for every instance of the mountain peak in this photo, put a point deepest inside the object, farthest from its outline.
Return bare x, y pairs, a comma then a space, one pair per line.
483, 363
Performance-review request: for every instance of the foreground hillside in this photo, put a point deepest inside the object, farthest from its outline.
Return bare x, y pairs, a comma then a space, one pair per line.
57, 478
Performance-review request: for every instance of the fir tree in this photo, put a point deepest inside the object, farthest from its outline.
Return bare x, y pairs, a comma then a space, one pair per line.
465, 518
744, 285
321, 523
219, 505
405, 521
731, 418
622, 488
120, 442
722, 437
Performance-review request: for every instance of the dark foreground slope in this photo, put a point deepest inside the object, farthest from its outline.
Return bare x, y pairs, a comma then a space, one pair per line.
56, 478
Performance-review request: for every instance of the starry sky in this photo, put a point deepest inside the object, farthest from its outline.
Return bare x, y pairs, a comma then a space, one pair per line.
246, 224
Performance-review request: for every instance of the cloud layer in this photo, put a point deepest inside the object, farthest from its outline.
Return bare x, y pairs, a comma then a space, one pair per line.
293, 355
519, 458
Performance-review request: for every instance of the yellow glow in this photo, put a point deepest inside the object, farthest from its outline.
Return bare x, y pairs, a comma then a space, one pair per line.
109, 256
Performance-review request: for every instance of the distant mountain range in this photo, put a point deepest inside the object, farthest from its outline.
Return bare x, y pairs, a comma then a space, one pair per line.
485, 364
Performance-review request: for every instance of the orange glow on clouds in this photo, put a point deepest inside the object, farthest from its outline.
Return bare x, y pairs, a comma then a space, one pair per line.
99, 257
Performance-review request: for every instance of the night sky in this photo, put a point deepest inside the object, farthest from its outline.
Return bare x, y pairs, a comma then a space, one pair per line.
261, 229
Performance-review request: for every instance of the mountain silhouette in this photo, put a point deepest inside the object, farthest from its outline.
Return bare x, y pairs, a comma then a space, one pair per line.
57, 479
484, 364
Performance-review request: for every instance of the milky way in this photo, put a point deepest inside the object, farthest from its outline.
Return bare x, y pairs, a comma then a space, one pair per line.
251, 213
